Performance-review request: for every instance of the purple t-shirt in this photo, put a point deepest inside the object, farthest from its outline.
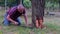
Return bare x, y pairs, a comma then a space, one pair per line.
14, 13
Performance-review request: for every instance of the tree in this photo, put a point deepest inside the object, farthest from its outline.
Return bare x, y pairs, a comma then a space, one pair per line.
2, 2
37, 12
59, 4
18, 2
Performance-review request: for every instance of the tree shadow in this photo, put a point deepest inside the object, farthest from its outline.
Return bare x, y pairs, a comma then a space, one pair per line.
29, 26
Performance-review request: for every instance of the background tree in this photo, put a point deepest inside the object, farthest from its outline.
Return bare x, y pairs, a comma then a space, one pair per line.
59, 4
37, 10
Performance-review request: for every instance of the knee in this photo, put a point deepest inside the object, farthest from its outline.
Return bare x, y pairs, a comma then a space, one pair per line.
6, 23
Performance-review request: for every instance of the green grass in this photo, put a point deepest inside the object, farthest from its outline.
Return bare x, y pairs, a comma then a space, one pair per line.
51, 28
1, 32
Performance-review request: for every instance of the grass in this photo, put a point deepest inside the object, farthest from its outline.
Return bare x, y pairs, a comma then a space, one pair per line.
1, 32
52, 27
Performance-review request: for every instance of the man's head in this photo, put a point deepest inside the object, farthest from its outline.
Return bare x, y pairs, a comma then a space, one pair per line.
20, 8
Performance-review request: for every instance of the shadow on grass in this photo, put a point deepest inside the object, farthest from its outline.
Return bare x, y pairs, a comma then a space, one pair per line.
30, 27
22, 25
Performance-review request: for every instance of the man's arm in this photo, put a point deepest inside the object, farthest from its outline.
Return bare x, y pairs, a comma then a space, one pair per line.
25, 16
8, 17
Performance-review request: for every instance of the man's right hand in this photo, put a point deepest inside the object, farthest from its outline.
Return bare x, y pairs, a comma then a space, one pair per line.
15, 23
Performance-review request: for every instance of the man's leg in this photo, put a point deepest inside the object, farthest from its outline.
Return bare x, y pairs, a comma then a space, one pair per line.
19, 20
6, 22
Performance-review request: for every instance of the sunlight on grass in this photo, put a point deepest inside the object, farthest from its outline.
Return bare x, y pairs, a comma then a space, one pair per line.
52, 26
1, 32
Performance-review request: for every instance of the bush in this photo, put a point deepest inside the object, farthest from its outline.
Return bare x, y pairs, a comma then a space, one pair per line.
27, 3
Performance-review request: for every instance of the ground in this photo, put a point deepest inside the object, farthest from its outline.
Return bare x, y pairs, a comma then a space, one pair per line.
52, 26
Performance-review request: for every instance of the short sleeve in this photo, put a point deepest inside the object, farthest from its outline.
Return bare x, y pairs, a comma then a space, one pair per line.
11, 11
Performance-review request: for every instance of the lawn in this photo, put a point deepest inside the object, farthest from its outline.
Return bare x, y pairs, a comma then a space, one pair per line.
52, 23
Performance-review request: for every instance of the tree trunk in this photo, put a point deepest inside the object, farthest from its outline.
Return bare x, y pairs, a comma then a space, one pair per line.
18, 2
59, 4
37, 10
33, 12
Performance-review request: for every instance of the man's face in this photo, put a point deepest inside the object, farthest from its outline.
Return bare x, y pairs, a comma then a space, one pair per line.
20, 10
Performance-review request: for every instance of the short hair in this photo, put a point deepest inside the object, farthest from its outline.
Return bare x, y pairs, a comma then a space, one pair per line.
20, 6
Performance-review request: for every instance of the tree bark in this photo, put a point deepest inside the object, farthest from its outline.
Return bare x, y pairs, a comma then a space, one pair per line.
37, 10
33, 12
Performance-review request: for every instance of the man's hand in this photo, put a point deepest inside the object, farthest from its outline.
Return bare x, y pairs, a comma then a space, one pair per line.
15, 23
26, 24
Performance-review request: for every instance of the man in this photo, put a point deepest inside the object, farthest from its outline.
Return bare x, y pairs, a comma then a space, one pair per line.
12, 15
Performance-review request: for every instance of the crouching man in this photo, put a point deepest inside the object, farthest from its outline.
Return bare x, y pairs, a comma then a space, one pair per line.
12, 15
